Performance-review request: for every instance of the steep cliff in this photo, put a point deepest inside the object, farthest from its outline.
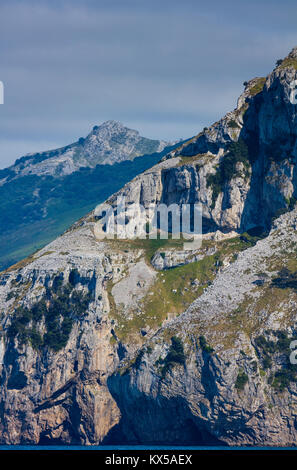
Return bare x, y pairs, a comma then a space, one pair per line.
101, 342
229, 379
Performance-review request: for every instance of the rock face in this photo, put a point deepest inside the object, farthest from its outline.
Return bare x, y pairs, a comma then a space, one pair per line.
102, 342
203, 399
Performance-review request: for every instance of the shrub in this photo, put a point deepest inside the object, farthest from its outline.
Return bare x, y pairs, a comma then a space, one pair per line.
175, 355
258, 87
241, 380
204, 346
233, 124
138, 359
36, 339
281, 379
65, 307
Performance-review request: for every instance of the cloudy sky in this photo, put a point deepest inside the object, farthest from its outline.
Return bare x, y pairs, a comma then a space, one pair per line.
164, 67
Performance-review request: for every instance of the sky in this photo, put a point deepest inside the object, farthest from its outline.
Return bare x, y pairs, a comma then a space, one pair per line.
167, 68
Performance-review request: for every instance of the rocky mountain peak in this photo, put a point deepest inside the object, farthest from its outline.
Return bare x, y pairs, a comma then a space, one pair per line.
109, 143
110, 134
113, 126
293, 53
109, 128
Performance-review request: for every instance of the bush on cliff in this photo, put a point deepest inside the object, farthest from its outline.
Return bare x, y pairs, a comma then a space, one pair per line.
175, 355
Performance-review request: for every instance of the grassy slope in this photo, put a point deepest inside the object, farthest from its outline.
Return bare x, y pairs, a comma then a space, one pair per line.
174, 289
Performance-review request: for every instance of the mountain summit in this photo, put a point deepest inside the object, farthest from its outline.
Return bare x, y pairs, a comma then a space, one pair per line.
124, 341
109, 143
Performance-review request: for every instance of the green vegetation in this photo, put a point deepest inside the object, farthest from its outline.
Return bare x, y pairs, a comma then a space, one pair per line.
241, 380
197, 159
41, 208
291, 203
233, 124
251, 236
269, 351
288, 62
59, 310
237, 153
138, 359
282, 378
174, 289
258, 87
204, 346
282, 344
150, 246
175, 355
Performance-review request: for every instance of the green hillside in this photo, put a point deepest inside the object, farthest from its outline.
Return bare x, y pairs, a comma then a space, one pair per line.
34, 210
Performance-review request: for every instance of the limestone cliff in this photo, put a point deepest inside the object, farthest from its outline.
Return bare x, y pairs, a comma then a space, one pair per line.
101, 342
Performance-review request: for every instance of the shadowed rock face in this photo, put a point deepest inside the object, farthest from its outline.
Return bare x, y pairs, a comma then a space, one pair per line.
102, 342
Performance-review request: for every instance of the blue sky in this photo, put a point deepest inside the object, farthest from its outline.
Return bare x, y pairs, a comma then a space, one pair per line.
166, 68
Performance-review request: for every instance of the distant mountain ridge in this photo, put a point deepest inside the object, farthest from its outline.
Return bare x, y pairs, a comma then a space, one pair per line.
42, 194
107, 144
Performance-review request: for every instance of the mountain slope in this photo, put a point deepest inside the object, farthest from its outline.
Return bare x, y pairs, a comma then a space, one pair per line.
43, 194
101, 342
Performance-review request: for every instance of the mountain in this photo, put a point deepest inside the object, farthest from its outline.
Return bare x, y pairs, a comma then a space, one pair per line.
42, 194
109, 143
142, 341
